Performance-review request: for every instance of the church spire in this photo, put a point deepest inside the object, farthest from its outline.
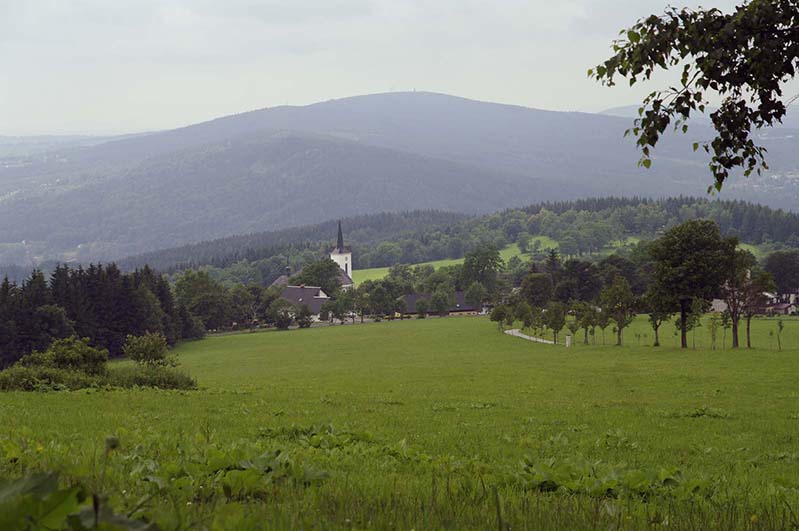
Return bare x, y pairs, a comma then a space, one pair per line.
340, 243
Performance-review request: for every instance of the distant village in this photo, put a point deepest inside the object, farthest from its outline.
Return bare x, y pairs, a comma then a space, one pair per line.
314, 297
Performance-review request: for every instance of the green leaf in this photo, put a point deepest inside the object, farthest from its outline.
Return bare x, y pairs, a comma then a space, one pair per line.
646, 163
60, 505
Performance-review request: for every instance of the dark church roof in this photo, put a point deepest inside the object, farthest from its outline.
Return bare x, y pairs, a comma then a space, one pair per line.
282, 280
344, 279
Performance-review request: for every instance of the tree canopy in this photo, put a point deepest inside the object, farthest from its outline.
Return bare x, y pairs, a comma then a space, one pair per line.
744, 57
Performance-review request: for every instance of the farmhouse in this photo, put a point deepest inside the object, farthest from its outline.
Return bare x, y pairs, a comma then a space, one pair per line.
310, 296
459, 306
780, 308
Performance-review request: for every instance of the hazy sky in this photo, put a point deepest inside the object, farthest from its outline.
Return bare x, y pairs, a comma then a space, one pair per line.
130, 65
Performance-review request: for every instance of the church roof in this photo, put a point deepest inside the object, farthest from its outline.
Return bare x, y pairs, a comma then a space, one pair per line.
344, 279
282, 280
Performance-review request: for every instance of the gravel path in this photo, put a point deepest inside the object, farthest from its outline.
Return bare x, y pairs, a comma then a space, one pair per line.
518, 333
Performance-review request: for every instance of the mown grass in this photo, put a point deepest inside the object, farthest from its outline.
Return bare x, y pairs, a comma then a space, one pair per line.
414, 424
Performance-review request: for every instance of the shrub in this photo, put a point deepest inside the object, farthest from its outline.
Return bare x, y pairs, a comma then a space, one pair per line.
441, 301
149, 349
421, 308
39, 378
281, 312
144, 375
71, 354
304, 317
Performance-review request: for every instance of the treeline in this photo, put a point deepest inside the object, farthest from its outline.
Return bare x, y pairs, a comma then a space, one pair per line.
223, 252
581, 228
99, 303
675, 276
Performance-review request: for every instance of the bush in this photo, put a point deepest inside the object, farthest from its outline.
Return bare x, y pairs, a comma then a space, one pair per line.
304, 317
37, 378
70, 364
281, 312
421, 308
71, 354
149, 349
150, 376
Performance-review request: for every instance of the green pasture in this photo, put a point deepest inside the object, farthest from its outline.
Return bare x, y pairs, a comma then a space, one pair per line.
424, 424
375, 273
545, 242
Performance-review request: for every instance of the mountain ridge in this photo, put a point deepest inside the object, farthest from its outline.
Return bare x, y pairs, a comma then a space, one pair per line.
343, 157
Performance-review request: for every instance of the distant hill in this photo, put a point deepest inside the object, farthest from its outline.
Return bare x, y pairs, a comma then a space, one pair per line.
790, 120
286, 166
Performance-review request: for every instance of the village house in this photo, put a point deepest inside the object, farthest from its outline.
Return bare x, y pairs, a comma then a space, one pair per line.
314, 297
459, 306
310, 296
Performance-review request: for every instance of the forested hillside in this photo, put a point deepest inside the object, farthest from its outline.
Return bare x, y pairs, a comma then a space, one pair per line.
287, 166
364, 230
581, 228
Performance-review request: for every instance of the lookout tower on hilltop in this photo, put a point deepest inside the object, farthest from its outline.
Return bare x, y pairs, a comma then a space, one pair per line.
342, 255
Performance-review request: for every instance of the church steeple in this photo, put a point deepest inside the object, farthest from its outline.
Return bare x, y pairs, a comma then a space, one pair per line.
340, 243
342, 255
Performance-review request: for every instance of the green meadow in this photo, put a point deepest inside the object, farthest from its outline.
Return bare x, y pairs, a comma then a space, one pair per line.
375, 273
436, 423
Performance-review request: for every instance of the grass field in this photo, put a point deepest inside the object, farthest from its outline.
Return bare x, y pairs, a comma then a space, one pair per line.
545, 242
375, 273
414, 424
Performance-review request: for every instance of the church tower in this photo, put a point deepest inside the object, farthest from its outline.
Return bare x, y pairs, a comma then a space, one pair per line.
341, 254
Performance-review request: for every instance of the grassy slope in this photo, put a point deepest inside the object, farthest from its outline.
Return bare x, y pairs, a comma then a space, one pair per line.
360, 275
454, 390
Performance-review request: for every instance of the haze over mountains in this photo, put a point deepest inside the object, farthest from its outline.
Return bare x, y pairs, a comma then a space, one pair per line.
286, 166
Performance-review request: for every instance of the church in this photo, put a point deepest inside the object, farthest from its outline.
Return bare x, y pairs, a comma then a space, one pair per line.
342, 255
313, 296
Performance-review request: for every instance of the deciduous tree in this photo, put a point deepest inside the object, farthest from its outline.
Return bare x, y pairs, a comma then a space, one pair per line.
690, 265
744, 57
618, 302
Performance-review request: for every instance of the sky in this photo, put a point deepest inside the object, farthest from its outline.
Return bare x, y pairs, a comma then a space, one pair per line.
117, 66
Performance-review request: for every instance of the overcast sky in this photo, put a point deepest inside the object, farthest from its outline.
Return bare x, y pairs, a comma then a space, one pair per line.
100, 66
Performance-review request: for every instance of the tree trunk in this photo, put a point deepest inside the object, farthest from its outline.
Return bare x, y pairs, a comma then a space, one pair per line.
735, 333
585, 337
683, 323
748, 334
657, 337
618, 336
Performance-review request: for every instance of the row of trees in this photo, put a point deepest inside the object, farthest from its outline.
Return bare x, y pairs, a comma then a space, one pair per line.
98, 302
679, 274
